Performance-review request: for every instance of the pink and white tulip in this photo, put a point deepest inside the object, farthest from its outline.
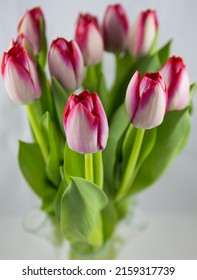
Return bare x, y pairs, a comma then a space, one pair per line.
146, 100
143, 33
115, 28
89, 38
20, 76
176, 77
22, 41
66, 63
30, 26
85, 123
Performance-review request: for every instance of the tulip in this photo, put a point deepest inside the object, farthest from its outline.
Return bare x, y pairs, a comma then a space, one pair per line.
22, 41
115, 28
31, 26
66, 63
146, 100
176, 77
85, 123
143, 33
89, 38
20, 76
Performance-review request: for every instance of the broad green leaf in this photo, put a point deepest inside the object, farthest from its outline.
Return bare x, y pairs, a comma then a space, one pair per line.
110, 219
60, 97
73, 164
172, 136
81, 205
55, 149
164, 53
32, 167
117, 128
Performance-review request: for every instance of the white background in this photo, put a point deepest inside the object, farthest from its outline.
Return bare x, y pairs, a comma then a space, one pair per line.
169, 206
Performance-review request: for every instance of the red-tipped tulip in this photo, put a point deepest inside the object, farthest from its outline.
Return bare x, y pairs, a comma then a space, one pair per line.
143, 33
85, 123
115, 28
20, 76
66, 63
30, 26
22, 41
176, 77
89, 38
146, 100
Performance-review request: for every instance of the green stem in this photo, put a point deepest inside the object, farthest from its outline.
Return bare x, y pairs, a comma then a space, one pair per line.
129, 172
89, 175
37, 132
98, 169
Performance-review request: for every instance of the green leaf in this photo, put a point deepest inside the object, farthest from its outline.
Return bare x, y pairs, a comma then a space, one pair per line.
33, 169
73, 164
81, 205
60, 98
164, 53
55, 149
117, 128
58, 199
172, 136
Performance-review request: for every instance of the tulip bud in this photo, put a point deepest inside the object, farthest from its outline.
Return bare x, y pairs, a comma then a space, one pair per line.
20, 76
22, 41
115, 28
176, 77
143, 33
89, 38
85, 123
146, 100
66, 63
30, 26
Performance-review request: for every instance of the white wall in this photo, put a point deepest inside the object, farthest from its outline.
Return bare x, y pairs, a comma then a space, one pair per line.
170, 205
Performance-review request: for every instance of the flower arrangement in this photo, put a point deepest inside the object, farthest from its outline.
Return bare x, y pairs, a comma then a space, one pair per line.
94, 146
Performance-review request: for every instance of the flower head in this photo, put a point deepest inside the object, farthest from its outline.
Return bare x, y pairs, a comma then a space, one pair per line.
146, 100
66, 63
143, 33
89, 38
20, 75
176, 77
115, 28
85, 123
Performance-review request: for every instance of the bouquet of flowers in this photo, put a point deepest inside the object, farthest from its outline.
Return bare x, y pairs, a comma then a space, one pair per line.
95, 146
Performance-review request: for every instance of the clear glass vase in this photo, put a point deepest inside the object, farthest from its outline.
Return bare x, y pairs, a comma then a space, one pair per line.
39, 223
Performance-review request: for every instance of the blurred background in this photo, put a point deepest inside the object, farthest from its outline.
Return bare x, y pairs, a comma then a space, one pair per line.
166, 215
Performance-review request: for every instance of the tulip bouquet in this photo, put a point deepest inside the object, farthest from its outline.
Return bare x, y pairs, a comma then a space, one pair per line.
96, 146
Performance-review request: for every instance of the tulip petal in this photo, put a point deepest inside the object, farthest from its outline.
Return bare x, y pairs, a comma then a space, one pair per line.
148, 34
61, 67
179, 91
81, 129
18, 83
115, 28
78, 63
132, 95
30, 28
103, 129
94, 42
151, 108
